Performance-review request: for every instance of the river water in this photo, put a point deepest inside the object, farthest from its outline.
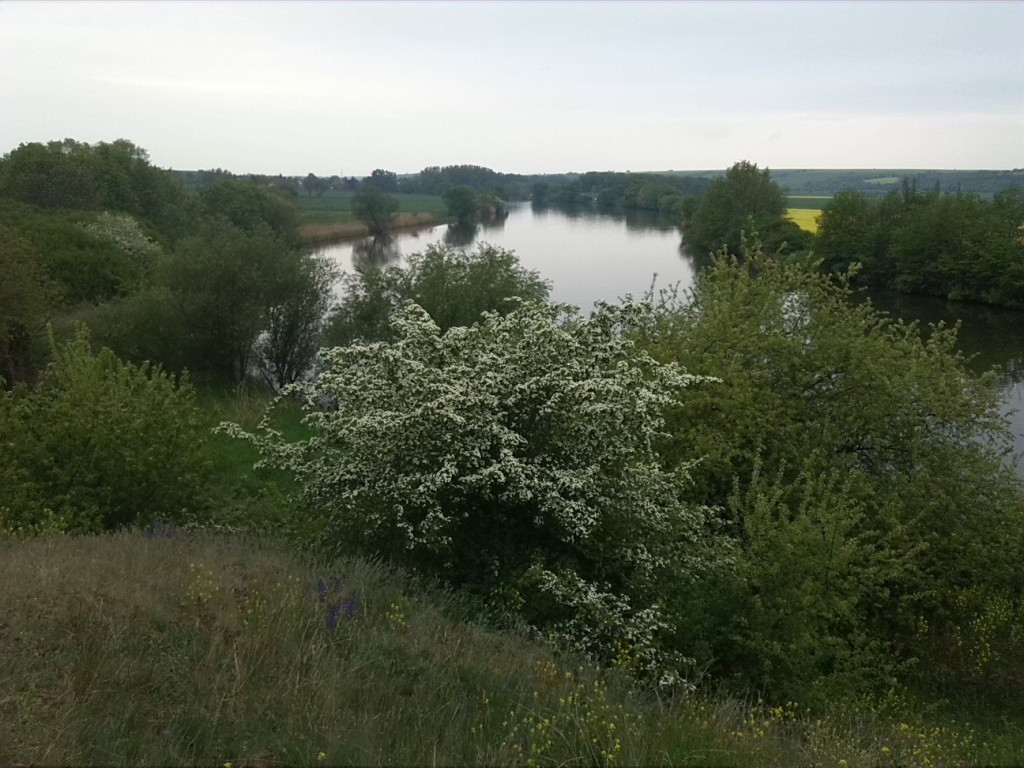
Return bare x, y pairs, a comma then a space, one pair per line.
589, 257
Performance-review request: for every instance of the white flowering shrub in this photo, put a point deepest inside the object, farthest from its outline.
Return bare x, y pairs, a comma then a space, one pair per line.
516, 456
126, 233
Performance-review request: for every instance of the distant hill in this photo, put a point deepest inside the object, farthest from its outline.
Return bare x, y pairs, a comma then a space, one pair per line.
823, 181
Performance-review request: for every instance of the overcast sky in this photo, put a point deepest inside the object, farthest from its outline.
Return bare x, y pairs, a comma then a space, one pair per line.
521, 87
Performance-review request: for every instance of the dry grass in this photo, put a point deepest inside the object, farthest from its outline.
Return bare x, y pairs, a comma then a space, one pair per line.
325, 233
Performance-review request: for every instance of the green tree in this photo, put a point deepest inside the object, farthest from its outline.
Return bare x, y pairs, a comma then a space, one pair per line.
454, 287
746, 198
463, 205
861, 468
374, 208
28, 299
221, 285
243, 205
301, 298
384, 181
57, 175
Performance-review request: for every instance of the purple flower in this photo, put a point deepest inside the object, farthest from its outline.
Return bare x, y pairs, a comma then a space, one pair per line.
321, 589
350, 608
337, 585
332, 617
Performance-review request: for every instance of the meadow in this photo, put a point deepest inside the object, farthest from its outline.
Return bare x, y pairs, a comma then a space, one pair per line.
172, 646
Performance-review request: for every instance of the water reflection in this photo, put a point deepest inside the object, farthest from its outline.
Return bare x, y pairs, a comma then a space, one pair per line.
637, 219
461, 234
494, 223
375, 252
990, 336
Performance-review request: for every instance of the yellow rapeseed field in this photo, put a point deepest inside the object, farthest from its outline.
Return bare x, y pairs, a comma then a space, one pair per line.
804, 218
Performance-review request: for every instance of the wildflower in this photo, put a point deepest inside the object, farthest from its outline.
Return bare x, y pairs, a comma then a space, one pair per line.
349, 608
332, 617
336, 587
321, 589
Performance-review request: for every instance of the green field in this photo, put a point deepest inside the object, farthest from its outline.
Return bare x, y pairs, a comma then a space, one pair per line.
336, 207
808, 202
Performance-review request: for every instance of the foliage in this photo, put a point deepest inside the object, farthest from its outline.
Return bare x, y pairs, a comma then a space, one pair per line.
72, 175
860, 467
87, 264
250, 208
463, 205
453, 286
955, 246
295, 319
27, 297
380, 179
746, 198
100, 443
375, 209
515, 456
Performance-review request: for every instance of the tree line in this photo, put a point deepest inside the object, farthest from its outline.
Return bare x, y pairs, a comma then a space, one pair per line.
214, 281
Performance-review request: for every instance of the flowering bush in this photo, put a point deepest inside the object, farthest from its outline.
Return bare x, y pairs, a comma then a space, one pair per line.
516, 456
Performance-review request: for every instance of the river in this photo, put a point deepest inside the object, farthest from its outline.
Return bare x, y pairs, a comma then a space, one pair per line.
589, 257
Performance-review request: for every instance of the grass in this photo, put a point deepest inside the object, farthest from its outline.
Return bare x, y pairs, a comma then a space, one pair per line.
175, 647
240, 496
336, 207
805, 218
328, 218
324, 233
809, 202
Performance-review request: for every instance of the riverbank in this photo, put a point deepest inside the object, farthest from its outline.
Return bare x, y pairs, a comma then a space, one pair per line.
319, 234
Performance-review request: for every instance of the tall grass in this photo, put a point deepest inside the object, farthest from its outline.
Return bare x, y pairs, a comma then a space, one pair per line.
336, 207
170, 647
324, 233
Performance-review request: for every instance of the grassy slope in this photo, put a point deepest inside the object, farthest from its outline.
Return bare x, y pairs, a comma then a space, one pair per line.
195, 648
203, 648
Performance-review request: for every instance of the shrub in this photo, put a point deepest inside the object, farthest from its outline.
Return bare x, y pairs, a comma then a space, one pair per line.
101, 443
861, 467
516, 457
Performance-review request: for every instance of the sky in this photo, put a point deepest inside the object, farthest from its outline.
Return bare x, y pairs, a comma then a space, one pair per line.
520, 87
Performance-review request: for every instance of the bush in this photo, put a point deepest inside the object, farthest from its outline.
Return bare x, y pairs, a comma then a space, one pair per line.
861, 467
515, 457
453, 286
100, 443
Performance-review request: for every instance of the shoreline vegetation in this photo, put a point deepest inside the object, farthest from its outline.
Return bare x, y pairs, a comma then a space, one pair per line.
319, 234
